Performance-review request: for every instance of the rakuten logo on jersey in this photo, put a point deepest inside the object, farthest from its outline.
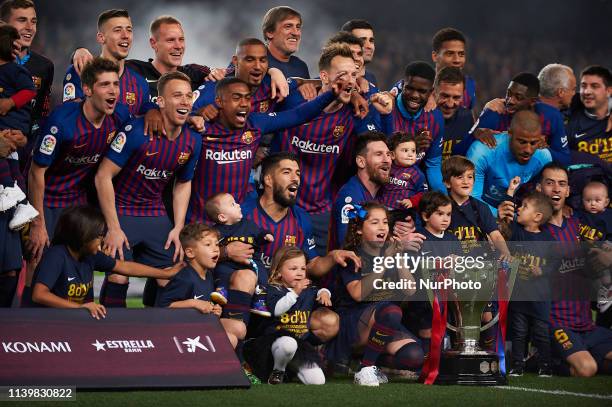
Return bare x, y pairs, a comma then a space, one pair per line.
229, 157
399, 182
153, 173
87, 160
308, 147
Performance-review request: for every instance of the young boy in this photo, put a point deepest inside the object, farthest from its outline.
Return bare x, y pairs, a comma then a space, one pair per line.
530, 305
193, 285
596, 226
472, 222
222, 209
406, 180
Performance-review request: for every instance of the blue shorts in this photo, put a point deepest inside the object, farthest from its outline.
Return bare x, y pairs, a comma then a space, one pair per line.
147, 236
598, 342
11, 256
223, 272
52, 216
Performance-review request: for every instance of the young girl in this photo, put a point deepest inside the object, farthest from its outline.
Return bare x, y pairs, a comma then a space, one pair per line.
291, 300
64, 276
372, 328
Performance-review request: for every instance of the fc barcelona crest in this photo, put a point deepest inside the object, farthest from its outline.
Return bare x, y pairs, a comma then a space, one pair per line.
338, 131
247, 137
263, 106
130, 98
183, 157
290, 240
37, 81
110, 136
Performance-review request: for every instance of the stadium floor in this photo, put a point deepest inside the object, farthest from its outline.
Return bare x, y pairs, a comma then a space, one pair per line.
522, 391
528, 390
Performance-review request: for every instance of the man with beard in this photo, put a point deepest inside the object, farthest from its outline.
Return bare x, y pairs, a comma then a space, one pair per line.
320, 143
373, 160
115, 36
409, 116
276, 211
517, 153
282, 32
448, 93
21, 14
363, 30
588, 127
584, 349
522, 94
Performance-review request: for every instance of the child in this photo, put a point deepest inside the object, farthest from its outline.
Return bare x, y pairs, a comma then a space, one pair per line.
406, 180
291, 299
596, 225
16, 92
222, 209
64, 276
530, 303
193, 285
473, 223
372, 329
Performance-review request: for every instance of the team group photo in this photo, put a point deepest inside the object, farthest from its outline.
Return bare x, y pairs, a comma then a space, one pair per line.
341, 203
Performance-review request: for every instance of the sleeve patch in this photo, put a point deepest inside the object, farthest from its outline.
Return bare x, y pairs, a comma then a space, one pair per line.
119, 142
47, 146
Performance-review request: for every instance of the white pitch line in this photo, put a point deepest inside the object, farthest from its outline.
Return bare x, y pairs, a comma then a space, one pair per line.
558, 392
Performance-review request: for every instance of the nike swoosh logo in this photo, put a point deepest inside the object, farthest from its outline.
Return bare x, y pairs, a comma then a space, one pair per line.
71, 278
579, 135
80, 146
234, 314
378, 333
151, 81
425, 253
152, 154
212, 138
197, 297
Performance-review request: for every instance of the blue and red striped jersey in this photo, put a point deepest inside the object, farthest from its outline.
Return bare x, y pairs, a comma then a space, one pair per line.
295, 229
228, 155
469, 93
318, 145
147, 165
574, 312
70, 147
404, 183
133, 90
413, 123
552, 127
261, 99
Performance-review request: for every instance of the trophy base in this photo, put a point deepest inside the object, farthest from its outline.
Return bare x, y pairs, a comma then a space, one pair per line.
481, 369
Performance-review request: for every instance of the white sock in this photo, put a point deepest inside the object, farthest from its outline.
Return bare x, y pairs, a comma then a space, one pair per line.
311, 373
283, 350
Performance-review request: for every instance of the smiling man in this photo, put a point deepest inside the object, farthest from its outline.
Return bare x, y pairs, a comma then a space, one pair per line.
282, 32
516, 154
130, 181
522, 94
21, 14
115, 37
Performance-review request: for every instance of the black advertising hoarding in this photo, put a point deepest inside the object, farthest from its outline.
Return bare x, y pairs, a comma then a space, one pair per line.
130, 348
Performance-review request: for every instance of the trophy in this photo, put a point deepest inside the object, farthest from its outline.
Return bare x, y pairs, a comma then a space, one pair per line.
471, 290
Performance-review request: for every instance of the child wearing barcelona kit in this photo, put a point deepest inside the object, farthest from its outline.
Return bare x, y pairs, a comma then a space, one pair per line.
530, 305
370, 323
596, 226
16, 92
64, 276
193, 285
406, 180
227, 215
284, 344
